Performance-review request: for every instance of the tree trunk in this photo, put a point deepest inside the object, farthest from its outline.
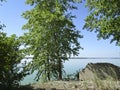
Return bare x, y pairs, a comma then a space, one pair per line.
59, 69
48, 73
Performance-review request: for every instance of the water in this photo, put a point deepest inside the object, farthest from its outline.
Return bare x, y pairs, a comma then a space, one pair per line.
74, 65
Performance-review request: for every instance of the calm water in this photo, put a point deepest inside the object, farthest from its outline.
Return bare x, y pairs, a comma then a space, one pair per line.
73, 65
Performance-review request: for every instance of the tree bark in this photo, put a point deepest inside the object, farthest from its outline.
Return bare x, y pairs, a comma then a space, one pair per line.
48, 72
59, 69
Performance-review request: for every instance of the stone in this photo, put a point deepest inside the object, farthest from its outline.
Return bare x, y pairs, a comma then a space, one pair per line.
100, 71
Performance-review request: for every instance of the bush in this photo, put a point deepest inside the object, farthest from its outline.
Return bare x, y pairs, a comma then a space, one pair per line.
10, 57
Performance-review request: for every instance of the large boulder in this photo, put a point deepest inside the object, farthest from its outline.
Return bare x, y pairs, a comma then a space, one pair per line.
100, 71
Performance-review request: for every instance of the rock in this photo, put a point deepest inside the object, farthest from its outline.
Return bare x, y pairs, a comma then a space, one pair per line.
100, 71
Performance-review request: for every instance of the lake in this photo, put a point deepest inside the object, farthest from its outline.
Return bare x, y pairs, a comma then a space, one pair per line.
74, 65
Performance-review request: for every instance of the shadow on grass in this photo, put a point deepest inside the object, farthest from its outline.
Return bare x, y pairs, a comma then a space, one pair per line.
28, 87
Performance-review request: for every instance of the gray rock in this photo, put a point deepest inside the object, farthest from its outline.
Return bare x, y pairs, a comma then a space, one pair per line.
100, 71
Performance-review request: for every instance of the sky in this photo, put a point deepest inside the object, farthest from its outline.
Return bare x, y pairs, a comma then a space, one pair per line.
11, 15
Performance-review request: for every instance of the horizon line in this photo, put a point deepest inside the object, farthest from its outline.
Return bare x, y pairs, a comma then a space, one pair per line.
84, 58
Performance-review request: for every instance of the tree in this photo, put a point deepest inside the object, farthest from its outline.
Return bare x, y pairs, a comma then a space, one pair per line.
51, 36
104, 19
10, 57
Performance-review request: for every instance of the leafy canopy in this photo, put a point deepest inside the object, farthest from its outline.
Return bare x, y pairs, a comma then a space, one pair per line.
51, 36
104, 19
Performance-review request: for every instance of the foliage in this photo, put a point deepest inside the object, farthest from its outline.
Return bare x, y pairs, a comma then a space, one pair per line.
10, 57
51, 36
104, 19
2, 26
11, 72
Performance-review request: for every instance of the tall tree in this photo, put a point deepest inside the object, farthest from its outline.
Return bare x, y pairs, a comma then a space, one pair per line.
104, 19
51, 36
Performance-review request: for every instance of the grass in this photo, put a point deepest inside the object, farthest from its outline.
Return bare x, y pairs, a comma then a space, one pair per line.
84, 85
96, 84
107, 84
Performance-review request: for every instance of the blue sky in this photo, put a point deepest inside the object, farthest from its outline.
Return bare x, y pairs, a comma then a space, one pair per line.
10, 15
